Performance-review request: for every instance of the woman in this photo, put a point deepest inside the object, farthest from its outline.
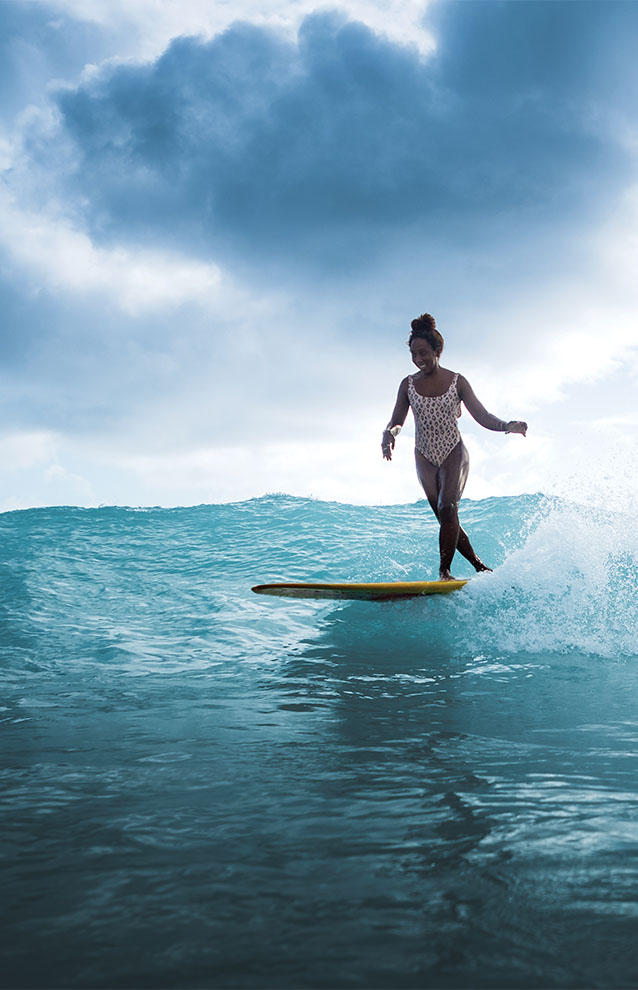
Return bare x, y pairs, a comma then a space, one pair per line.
442, 461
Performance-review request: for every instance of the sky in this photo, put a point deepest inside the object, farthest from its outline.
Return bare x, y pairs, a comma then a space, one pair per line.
217, 221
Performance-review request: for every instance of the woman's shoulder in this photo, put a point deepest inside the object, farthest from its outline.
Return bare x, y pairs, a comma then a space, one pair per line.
448, 377
452, 376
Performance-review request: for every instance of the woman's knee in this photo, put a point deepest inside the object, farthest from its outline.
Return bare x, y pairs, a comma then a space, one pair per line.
447, 511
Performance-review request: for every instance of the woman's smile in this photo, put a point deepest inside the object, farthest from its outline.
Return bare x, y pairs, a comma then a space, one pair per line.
424, 356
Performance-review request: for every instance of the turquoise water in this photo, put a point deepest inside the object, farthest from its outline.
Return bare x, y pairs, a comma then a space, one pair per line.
202, 787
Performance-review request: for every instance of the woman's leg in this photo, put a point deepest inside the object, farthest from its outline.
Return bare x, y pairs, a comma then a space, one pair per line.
466, 550
452, 479
443, 488
427, 473
445, 509
452, 476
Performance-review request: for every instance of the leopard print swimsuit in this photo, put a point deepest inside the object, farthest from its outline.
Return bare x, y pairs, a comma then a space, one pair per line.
435, 418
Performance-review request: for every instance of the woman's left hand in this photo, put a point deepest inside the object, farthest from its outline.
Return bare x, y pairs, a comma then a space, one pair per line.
517, 426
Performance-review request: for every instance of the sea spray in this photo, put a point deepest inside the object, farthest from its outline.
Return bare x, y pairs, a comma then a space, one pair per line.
572, 585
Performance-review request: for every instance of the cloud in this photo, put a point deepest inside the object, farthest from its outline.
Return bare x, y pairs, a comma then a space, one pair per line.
151, 24
37, 45
50, 248
325, 150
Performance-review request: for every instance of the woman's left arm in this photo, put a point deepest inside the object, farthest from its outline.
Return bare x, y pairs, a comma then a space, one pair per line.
482, 416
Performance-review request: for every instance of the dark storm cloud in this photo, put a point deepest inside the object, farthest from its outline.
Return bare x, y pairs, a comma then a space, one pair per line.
561, 51
250, 144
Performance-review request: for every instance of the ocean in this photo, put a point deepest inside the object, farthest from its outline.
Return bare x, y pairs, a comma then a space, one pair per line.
202, 787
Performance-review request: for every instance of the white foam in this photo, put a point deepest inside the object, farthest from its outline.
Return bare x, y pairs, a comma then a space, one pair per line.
572, 585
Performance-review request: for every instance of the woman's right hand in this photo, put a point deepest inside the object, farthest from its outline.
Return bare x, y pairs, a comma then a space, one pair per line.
387, 444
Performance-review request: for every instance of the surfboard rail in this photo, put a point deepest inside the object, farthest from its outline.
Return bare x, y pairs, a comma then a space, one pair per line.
358, 591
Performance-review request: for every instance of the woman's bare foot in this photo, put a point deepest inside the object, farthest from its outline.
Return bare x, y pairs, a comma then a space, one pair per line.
446, 576
478, 565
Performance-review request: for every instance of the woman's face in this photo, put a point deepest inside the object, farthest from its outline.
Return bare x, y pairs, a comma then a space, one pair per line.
424, 355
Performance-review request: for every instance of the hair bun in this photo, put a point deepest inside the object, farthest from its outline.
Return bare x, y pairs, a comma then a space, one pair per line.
423, 323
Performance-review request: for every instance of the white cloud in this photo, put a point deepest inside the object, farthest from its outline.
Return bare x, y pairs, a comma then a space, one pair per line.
28, 449
32, 473
49, 248
574, 331
615, 243
6, 153
151, 24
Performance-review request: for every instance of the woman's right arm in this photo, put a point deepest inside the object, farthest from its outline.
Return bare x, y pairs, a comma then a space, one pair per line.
397, 419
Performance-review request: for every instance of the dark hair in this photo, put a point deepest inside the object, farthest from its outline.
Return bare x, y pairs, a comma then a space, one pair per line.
425, 326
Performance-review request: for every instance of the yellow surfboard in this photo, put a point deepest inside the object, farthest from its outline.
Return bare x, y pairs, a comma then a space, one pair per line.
367, 592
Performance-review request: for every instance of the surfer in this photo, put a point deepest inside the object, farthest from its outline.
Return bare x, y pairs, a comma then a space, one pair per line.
442, 461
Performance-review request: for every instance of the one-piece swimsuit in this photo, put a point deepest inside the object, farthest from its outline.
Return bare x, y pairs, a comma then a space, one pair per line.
436, 421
